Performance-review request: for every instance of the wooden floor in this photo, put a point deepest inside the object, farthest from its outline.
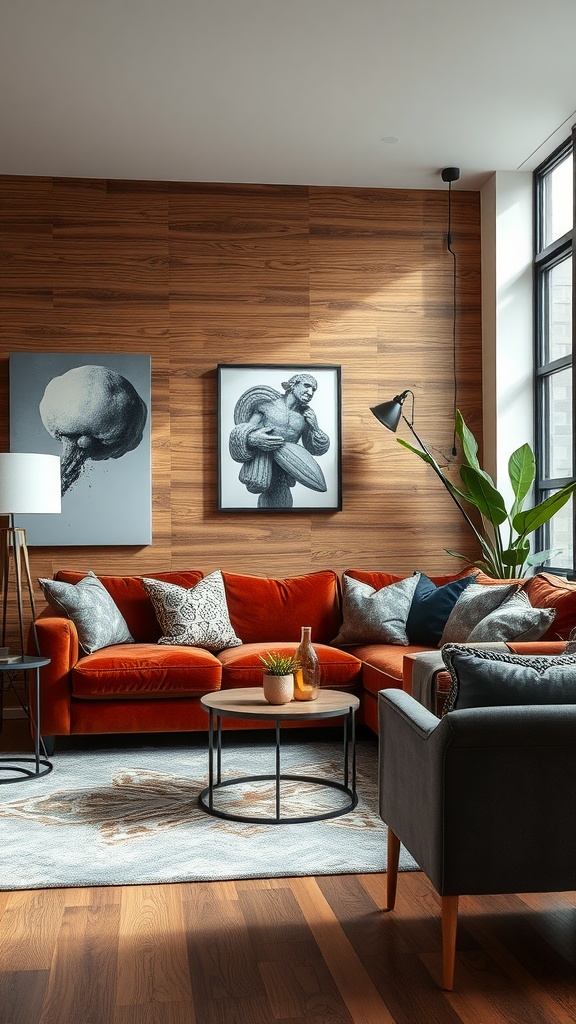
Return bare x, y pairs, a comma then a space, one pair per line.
297, 950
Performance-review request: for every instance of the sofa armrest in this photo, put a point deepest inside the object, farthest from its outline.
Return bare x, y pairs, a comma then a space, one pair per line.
58, 640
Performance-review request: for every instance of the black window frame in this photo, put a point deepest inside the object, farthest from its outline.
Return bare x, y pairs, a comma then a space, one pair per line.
545, 259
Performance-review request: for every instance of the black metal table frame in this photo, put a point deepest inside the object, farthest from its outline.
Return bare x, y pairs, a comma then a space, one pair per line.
206, 797
21, 764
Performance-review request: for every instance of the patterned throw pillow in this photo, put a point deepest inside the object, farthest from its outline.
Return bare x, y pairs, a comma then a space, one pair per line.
515, 619
486, 679
88, 604
375, 616
197, 617
473, 605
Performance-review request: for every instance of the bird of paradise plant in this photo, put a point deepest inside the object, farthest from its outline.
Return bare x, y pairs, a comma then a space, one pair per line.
503, 534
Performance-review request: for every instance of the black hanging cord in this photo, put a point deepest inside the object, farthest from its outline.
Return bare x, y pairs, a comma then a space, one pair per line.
453, 254
451, 174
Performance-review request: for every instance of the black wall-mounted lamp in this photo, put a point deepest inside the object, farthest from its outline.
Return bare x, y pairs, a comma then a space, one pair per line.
390, 414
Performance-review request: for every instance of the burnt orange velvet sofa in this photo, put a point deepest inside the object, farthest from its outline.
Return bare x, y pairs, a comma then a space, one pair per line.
147, 687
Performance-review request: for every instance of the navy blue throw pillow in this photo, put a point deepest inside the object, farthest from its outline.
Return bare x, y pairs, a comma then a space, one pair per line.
431, 606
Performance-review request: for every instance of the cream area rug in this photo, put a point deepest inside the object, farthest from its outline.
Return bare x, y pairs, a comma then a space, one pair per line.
131, 816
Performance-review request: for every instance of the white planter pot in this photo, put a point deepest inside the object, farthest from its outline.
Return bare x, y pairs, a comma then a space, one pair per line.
278, 689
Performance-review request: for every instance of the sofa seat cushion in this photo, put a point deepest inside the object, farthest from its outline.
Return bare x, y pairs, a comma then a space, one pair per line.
241, 666
129, 594
268, 610
383, 664
146, 670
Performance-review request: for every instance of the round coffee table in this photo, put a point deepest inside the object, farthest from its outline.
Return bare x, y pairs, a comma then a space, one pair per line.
249, 703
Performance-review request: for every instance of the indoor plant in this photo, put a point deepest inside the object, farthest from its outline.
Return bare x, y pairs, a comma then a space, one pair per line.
502, 533
278, 680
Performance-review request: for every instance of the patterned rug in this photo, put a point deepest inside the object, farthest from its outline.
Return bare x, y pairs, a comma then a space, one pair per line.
131, 816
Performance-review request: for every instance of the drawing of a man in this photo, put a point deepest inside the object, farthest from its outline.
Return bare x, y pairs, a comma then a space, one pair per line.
275, 437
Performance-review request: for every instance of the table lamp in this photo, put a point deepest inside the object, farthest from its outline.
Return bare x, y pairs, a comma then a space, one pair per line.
28, 484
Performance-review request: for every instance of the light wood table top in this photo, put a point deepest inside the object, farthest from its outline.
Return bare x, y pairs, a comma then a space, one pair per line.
251, 703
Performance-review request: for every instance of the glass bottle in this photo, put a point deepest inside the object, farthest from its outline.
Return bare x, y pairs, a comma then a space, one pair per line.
307, 677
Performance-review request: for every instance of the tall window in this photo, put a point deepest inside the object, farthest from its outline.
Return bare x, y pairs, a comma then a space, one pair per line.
554, 221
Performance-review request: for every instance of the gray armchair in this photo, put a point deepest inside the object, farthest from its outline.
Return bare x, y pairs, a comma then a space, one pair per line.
484, 799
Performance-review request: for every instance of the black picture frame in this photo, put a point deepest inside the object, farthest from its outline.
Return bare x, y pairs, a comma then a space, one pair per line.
302, 469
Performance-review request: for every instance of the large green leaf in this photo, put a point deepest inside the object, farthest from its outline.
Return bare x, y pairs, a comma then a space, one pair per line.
484, 495
539, 557
468, 441
450, 487
487, 565
521, 470
469, 446
528, 521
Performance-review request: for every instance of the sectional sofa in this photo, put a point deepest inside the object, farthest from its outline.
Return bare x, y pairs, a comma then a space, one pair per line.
143, 672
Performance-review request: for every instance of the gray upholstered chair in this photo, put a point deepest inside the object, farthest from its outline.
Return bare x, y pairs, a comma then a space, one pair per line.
484, 799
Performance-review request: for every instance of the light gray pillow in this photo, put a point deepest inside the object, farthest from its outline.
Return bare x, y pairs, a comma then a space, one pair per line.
88, 604
375, 616
197, 617
483, 678
515, 619
473, 605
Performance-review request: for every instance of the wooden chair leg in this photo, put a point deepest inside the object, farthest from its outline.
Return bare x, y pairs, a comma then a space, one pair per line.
449, 927
392, 869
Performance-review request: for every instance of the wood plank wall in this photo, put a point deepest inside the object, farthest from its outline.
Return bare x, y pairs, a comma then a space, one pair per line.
197, 274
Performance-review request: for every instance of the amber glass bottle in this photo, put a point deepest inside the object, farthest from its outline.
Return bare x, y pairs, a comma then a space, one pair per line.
307, 677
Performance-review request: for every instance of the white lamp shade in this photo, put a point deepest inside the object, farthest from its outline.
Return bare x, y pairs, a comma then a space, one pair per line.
29, 483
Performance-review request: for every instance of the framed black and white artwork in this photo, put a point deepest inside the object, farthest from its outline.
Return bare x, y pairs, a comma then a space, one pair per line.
279, 437
93, 410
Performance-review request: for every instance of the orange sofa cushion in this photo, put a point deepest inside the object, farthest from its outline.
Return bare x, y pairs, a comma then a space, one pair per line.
145, 670
383, 664
241, 666
267, 610
377, 579
131, 598
547, 591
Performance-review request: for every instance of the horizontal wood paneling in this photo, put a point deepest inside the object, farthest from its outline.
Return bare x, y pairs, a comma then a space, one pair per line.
197, 274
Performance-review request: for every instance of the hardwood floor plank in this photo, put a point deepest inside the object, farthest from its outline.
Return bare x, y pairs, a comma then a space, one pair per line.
22, 995
538, 992
153, 961
82, 985
155, 1013
389, 949
356, 988
223, 967
30, 925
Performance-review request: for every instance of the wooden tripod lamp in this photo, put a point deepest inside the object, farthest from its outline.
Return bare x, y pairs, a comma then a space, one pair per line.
28, 484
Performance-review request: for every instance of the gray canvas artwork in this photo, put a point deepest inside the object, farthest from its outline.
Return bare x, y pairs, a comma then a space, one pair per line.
93, 410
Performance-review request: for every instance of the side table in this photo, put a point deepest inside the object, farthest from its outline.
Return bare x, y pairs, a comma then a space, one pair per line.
27, 767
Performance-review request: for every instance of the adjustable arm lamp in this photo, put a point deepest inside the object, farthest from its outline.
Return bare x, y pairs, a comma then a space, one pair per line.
389, 414
28, 483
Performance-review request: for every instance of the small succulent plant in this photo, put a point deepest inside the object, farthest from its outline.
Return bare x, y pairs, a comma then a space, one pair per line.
278, 664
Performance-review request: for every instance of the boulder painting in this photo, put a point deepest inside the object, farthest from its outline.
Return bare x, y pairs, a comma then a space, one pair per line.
93, 410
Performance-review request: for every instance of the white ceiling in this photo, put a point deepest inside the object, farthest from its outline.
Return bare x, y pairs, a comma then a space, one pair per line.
285, 91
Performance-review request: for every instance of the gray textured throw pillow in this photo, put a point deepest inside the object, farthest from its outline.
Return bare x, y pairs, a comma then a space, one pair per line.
515, 619
88, 604
483, 678
197, 617
375, 616
473, 605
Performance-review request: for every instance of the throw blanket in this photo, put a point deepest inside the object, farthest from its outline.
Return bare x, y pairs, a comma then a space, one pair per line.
428, 664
